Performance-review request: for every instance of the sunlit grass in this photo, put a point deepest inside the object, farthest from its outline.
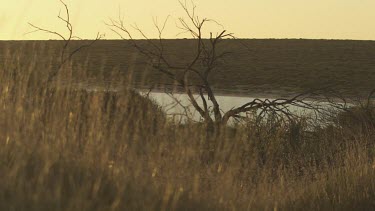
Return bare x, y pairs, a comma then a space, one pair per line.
68, 149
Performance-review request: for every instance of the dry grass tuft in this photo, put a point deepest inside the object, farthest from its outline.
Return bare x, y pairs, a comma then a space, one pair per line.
68, 149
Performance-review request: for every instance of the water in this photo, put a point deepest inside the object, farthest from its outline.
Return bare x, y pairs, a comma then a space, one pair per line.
178, 105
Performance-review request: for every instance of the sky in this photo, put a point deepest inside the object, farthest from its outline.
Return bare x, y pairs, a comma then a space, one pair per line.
311, 19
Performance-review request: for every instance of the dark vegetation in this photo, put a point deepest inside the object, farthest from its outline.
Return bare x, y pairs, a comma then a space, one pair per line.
70, 149
266, 67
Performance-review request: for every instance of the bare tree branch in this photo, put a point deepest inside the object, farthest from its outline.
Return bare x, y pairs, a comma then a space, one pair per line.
204, 62
65, 55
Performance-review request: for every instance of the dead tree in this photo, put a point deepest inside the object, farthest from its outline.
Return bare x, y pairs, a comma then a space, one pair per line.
204, 63
66, 54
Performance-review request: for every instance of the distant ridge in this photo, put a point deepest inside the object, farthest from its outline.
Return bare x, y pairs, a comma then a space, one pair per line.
262, 39
263, 66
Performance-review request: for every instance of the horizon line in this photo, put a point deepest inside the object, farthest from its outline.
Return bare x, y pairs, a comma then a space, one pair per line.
317, 39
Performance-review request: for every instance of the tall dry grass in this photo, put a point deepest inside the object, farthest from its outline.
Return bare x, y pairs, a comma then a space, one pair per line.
64, 148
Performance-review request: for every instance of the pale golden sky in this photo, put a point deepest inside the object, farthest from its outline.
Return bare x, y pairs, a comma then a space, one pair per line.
327, 19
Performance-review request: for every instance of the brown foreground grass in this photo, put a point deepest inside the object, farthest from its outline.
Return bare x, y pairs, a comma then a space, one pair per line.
67, 149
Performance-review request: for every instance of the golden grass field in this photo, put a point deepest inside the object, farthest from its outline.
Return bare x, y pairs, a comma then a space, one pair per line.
68, 149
